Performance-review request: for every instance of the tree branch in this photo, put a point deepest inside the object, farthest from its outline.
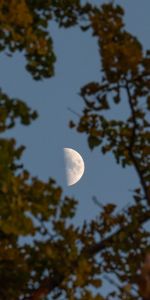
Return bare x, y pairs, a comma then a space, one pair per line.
130, 148
46, 286
97, 247
49, 284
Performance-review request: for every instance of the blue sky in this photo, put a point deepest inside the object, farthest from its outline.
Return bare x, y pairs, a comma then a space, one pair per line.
77, 63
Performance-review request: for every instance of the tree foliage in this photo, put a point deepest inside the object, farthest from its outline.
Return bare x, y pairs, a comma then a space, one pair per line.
62, 260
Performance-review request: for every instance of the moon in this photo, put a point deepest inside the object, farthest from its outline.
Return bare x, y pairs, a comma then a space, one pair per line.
74, 166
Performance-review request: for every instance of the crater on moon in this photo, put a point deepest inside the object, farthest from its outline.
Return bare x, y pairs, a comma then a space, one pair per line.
74, 165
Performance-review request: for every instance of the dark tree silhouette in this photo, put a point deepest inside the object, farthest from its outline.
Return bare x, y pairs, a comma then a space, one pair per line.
68, 261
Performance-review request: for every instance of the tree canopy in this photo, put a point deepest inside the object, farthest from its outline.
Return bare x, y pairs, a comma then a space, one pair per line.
114, 242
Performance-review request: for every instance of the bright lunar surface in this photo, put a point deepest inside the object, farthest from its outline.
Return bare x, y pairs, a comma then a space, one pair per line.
74, 166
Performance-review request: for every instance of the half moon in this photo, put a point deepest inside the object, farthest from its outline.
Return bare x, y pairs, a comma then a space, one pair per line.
74, 166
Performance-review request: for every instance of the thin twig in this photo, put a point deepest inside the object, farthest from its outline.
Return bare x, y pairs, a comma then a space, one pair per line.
74, 112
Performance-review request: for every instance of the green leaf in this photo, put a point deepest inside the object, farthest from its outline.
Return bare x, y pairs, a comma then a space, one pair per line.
93, 141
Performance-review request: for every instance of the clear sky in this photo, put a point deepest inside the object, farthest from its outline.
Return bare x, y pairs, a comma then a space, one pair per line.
77, 63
